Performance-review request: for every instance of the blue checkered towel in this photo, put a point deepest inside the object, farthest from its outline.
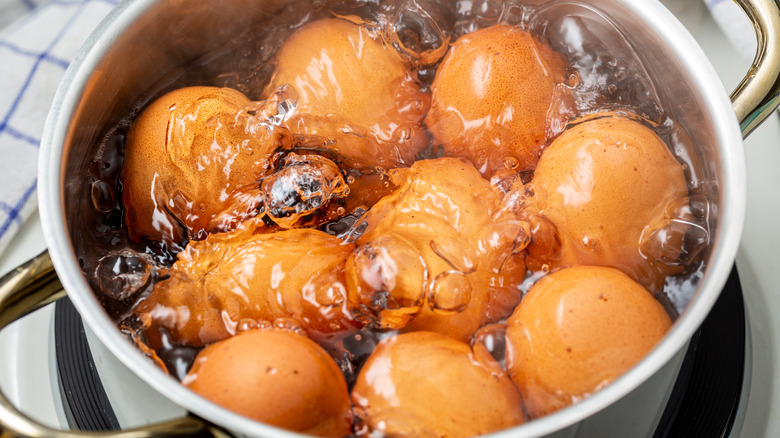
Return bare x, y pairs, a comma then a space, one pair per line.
38, 39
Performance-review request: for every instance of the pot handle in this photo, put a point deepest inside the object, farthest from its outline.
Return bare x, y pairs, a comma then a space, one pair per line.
30, 287
758, 95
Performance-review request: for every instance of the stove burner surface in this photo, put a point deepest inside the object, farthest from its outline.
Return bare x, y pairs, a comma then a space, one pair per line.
703, 403
706, 396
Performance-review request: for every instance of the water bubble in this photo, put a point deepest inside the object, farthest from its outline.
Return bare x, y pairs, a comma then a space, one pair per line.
355, 230
475, 14
277, 109
223, 79
331, 295
700, 207
103, 198
516, 13
607, 69
503, 237
133, 325
178, 359
534, 277
450, 292
589, 243
545, 241
512, 271
178, 200
678, 239
354, 10
344, 228
504, 179
245, 324
573, 79
452, 251
419, 29
511, 162
679, 289
678, 243
289, 324
493, 338
121, 274
244, 203
304, 184
385, 280
426, 75
353, 351
518, 196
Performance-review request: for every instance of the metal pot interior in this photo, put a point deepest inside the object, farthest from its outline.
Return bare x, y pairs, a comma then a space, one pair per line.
143, 41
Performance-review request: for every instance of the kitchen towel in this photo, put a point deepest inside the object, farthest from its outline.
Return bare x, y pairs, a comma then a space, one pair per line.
38, 39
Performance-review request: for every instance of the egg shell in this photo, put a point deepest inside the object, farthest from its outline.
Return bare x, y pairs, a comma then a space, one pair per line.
491, 98
440, 247
278, 377
577, 330
183, 157
602, 184
341, 70
217, 282
425, 384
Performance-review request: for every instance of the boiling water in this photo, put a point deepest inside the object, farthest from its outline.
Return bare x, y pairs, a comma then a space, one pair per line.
604, 73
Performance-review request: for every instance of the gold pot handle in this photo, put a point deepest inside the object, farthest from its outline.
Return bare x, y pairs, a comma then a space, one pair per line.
30, 287
758, 95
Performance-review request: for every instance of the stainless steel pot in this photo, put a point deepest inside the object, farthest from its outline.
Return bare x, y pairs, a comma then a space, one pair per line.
112, 71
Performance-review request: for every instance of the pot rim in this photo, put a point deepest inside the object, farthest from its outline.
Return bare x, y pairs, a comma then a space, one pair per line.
726, 240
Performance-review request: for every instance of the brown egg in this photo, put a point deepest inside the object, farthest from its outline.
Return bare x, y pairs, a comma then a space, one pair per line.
492, 96
185, 154
436, 254
228, 278
278, 377
577, 330
606, 185
348, 81
424, 384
